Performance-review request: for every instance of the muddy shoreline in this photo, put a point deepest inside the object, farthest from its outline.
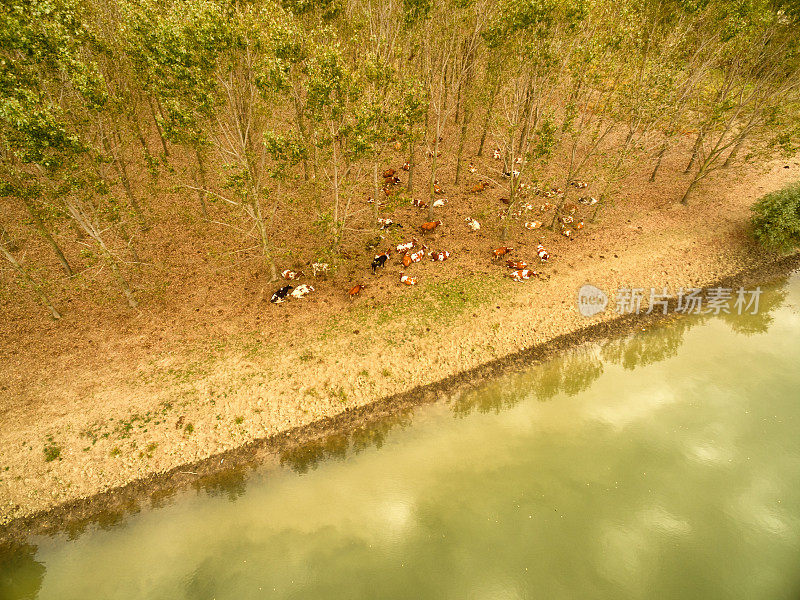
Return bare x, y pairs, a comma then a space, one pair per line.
109, 507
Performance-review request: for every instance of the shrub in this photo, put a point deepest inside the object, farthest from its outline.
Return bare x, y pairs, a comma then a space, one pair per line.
776, 219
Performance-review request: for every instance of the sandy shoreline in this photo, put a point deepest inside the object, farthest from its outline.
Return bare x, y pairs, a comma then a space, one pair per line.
124, 429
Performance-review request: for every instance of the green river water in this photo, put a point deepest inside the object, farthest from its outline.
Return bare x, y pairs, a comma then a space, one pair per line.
663, 465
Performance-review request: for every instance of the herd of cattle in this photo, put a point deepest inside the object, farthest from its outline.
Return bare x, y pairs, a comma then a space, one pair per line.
412, 251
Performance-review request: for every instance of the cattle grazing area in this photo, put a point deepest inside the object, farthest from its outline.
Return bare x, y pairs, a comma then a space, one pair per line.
141, 138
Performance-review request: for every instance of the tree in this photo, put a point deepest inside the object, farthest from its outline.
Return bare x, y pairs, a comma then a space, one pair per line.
174, 52
776, 219
51, 98
758, 70
413, 103
333, 93
42, 214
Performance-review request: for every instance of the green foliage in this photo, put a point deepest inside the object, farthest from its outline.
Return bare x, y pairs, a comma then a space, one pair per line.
255, 89
416, 10
784, 125
44, 43
285, 149
176, 54
545, 140
514, 16
776, 219
324, 9
413, 102
331, 85
52, 451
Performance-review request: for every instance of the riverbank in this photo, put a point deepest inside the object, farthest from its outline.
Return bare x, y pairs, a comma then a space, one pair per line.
155, 420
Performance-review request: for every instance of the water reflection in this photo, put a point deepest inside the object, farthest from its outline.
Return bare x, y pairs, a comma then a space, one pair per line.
305, 457
573, 372
21, 575
748, 324
112, 515
230, 483
651, 346
577, 369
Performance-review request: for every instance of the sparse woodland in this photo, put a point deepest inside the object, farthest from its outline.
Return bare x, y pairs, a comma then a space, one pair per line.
251, 124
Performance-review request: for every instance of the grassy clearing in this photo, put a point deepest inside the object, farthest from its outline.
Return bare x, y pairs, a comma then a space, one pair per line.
436, 303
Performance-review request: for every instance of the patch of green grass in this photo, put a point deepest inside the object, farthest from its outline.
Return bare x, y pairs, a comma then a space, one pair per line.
427, 305
239, 420
115, 451
386, 372
252, 347
148, 450
338, 393
188, 429
306, 355
92, 432
52, 451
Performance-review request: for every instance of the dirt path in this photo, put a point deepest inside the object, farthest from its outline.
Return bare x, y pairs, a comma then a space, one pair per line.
123, 406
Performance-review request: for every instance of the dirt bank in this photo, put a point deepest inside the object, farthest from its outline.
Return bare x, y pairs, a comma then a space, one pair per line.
132, 414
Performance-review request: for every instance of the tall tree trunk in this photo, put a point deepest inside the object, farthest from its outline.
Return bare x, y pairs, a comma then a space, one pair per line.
695, 150
526, 112
376, 191
88, 226
659, 158
488, 117
336, 232
444, 94
433, 173
126, 289
36, 287
201, 172
511, 193
121, 168
692, 185
465, 118
733, 153
458, 101
158, 127
148, 157
301, 128
265, 246
411, 163
42, 229
4, 235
